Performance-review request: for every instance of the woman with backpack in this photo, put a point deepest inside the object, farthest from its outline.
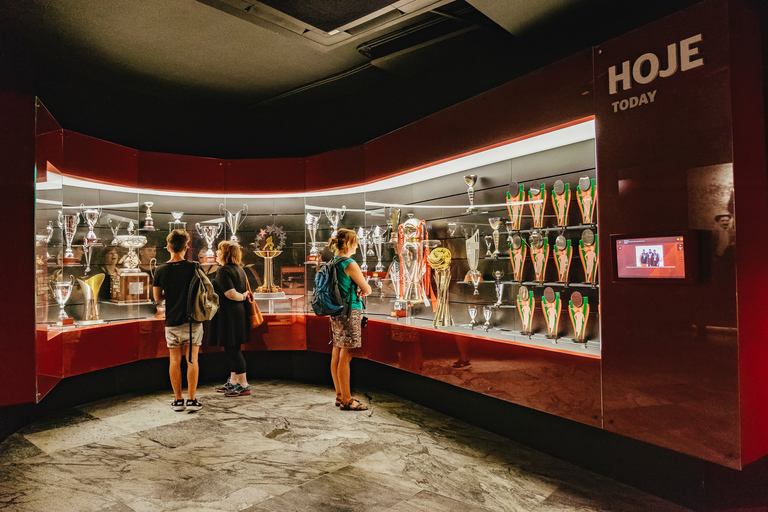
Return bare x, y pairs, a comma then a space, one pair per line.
345, 327
231, 326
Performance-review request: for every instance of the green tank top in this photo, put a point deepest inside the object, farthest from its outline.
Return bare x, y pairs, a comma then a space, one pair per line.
346, 282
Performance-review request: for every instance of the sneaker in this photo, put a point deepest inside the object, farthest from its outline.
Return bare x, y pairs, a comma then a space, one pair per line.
226, 387
194, 405
178, 405
238, 390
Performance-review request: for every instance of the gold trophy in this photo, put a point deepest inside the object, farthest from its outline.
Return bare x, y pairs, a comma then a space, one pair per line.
266, 248
91, 287
550, 305
537, 196
440, 261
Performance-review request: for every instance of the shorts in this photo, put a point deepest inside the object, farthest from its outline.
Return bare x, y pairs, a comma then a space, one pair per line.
179, 334
346, 332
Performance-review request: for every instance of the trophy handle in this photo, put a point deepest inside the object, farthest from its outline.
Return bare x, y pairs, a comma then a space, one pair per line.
61, 219
343, 211
220, 228
222, 210
152, 267
199, 231
245, 214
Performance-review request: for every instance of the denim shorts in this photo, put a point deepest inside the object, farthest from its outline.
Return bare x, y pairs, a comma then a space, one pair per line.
179, 334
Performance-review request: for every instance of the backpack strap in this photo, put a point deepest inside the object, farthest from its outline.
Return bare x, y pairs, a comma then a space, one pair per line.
189, 318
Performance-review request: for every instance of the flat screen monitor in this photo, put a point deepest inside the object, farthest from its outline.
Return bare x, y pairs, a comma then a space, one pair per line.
651, 257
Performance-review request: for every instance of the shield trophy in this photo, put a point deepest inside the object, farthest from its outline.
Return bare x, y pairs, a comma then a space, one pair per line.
234, 220
495, 223
149, 223
68, 225
473, 258
377, 238
312, 222
208, 232
471, 180
61, 291
334, 217
91, 287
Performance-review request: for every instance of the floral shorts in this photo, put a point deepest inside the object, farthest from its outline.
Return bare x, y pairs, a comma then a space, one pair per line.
346, 331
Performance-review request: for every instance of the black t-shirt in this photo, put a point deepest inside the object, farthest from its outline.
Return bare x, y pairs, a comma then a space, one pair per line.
174, 278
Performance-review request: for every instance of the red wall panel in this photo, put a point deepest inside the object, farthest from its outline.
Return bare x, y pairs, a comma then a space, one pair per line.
97, 160
336, 169
180, 173
265, 176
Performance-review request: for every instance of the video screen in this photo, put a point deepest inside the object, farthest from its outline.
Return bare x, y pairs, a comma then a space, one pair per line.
653, 258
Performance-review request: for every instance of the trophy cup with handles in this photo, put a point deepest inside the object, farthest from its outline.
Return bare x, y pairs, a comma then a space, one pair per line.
131, 284
334, 217
472, 310
61, 291
68, 225
209, 233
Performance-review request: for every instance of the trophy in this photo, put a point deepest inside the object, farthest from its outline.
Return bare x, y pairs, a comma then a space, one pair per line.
440, 261
114, 228
334, 216
495, 223
561, 200
377, 239
487, 312
488, 242
525, 305
413, 261
473, 258
68, 226
233, 220
394, 277
472, 314
578, 310
452, 228
266, 248
91, 217
46, 238
537, 197
312, 222
586, 197
588, 247
563, 252
177, 223
91, 287
471, 180
160, 311
550, 304
393, 220
499, 287
362, 237
518, 250
539, 255
130, 284
149, 224
61, 291
515, 204
209, 232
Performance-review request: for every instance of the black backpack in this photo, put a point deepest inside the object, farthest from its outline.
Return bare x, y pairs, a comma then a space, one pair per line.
326, 298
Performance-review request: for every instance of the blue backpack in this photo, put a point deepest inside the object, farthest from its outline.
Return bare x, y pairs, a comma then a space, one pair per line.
326, 299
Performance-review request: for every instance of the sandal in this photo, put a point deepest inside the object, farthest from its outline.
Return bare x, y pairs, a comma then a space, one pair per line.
354, 405
338, 400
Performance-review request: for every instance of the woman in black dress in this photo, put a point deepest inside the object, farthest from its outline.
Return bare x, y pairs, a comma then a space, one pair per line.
231, 327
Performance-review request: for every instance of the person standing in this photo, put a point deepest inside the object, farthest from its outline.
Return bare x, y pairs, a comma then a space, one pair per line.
231, 327
345, 328
172, 282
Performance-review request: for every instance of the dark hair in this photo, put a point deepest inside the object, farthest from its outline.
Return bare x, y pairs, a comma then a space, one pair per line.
100, 258
230, 252
178, 240
344, 239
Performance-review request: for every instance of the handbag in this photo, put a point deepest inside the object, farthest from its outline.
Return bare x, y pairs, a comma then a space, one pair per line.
256, 317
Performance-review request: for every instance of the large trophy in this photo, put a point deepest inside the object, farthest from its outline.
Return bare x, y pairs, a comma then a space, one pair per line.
91, 216
586, 197
550, 305
471, 180
398, 310
440, 261
269, 244
515, 204
561, 200
209, 232
525, 306
539, 255
393, 220
149, 223
312, 222
563, 253
473, 258
61, 291
91, 287
588, 251
518, 250
578, 310
413, 261
495, 223
131, 284
68, 226
377, 237
334, 217
537, 197
234, 220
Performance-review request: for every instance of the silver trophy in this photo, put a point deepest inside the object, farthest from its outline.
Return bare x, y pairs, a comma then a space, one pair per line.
132, 242
234, 220
499, 287
452, 228
61, 291
149, 224
472, 314
471, 180
91, 216
488, 243
114, 228
177, 223
377, 237
473, 258
68, 225
209, 233
312, 222
394, 277
46, 238
487, 312
334, 216
363, 238
495, 223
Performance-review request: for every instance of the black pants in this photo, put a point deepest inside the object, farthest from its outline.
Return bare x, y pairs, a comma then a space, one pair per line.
235, 358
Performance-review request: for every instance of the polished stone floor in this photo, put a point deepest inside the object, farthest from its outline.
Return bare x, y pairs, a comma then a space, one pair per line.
287, 448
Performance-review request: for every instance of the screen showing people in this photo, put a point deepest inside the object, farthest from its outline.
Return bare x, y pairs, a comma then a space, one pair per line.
655, 257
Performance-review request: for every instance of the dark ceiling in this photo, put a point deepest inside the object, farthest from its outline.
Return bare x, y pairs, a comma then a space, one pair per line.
278, 78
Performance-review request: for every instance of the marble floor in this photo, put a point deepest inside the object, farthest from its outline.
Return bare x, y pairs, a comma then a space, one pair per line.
287, 448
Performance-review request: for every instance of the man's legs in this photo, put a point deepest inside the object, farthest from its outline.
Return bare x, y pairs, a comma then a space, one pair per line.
174, 370
193, 371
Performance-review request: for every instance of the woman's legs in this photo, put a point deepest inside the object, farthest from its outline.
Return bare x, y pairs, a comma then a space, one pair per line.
335, 370
342, 372
236, 365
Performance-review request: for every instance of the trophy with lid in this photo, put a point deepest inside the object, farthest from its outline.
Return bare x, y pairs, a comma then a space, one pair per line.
473, 258
209, 233
312, 222
537, 197
131, 284
440, 261
471, 181
334, 217
149, 223
61, 291
234, 220
68, 225
269, 244
515, 204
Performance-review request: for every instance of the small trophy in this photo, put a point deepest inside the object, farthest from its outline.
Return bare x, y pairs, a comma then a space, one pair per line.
471, 180
586, 197
363, 237
588, 246
177, 223
515, 204
499, 287
68, 225
61, 291
312, 222
488, 243
114, 228
209, 233
561, 200
518, 251
233, 220
578, 310
473, 258
525, 306
334, 216
440, 261
393, 221
539, 255
550, 304
377, 239
537, 196
45, 239
266, 248
487, 313
452, 228
472, 314
91, 217
91, 287
495, 223
149, 224
563, 252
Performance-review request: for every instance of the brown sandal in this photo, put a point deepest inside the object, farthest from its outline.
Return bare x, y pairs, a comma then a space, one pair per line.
338, 400
354, 405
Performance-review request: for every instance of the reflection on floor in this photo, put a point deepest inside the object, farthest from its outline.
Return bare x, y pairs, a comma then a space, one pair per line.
287, 448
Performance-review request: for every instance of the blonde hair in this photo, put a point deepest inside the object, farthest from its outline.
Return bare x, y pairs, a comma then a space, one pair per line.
344, 239
230, 252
